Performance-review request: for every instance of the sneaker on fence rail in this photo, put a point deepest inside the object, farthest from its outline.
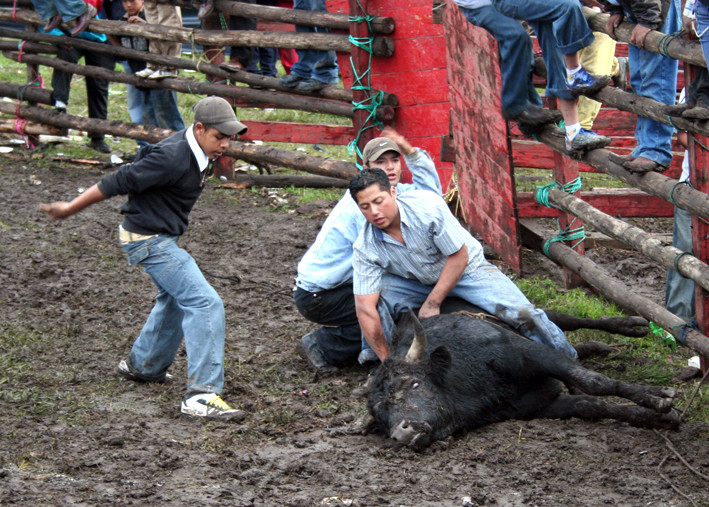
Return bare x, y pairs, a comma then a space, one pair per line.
205, 9
584, 141
210, 405
147, 71
290, 81
53, 23
644, 165
583, 83
82, 22
310, 85
162, 74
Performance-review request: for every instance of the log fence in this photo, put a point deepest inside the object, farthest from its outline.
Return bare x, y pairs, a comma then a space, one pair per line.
466, 87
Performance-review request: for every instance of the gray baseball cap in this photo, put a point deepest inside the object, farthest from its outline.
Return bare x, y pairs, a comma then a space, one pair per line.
378, 147
218, 113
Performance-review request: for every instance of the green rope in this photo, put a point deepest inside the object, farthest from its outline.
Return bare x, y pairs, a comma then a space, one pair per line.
666, 40
542, 193
222, 21
567, 234
672, 191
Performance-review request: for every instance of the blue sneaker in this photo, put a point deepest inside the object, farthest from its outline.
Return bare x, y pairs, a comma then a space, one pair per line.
584, 83
584, 141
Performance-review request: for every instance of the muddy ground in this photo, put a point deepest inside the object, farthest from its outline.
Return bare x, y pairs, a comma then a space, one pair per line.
75, 433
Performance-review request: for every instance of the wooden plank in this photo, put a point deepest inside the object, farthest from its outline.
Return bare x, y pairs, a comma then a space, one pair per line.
623, 203
300, 133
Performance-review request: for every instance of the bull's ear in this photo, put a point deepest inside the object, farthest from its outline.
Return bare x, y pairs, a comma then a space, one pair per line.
439, 362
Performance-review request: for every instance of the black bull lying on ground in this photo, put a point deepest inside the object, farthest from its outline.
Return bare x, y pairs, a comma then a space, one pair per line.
451, 373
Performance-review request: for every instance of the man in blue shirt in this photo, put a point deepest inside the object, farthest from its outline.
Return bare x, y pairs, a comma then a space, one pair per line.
414, 253
323, 287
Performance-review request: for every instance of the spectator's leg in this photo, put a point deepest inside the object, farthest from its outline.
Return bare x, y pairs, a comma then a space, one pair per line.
679, 291
596, 59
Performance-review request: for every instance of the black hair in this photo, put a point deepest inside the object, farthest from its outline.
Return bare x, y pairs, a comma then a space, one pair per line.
366, 178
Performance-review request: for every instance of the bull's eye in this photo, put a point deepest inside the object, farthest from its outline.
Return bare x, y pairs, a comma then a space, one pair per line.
415, 386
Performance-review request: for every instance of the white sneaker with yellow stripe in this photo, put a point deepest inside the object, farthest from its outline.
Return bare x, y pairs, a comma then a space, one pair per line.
210, 405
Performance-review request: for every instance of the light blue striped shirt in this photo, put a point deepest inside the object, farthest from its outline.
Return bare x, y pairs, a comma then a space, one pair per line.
431, 234
328, 262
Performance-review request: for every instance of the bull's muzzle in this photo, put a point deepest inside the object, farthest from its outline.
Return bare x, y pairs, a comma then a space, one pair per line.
411, 433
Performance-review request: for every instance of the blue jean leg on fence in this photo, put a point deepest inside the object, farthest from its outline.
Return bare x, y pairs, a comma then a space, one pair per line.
654, 76
679, 291
186, 306
69, 9
516, 53
315, 63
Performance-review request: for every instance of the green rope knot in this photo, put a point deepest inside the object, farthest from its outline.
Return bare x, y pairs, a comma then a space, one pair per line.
568, 234
666, 40
542, 193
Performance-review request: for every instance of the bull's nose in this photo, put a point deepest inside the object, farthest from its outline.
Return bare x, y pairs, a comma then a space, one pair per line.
404, 432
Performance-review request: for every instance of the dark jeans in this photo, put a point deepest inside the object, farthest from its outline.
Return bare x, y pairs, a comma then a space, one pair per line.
341, 339
96, 88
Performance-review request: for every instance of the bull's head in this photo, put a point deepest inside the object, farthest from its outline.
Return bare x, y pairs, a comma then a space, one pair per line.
406, 396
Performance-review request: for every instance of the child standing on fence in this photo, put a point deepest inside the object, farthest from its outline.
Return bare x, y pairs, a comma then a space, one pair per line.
164, 15
162, 185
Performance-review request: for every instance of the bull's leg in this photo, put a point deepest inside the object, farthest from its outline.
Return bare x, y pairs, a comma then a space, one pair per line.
541, 359
627, 326
588, 407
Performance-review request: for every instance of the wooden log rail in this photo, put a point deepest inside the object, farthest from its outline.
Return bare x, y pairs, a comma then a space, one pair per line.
653, 183
29, 93
262, 97
621, 294
252, 153
331, 20
687, 265
381, 46
224, 72
679, 48
29, 47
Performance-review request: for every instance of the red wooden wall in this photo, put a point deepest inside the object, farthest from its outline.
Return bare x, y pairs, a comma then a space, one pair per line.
416, 74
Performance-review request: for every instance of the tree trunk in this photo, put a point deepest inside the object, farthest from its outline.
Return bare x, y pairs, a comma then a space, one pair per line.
687, 265
381, 46
224, 72
332, 20
621, 294
285, 180
261, 97
259, 154
675, 47
30, 93
653, 183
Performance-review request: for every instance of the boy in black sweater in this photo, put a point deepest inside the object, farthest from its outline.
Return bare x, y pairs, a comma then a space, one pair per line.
162, 186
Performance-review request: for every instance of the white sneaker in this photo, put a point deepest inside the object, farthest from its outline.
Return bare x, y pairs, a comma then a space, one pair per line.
209, 405
162, 74
147, 71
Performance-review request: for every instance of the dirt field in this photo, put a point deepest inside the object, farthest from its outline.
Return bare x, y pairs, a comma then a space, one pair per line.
75, 433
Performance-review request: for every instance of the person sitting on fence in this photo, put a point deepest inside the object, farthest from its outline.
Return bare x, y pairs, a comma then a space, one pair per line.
323, 287
413, 253
315, 68
163, 14
152, 106
56, 12
562, 32
163, 185
96, 88
652, 75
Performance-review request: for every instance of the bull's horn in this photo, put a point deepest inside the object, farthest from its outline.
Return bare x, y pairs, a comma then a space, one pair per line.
418, 346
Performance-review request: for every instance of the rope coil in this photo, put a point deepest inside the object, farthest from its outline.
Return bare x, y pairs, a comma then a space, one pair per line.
567, 234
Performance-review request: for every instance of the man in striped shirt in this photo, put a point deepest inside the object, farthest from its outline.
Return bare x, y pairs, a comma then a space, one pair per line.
413, 252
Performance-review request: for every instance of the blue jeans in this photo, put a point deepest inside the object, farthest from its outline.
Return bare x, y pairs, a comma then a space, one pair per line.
679, 291
69, 9
516, 54
315, 63
487, 288
136, 100
699, 90
655, 76
186, 306
561, 30
162, 105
